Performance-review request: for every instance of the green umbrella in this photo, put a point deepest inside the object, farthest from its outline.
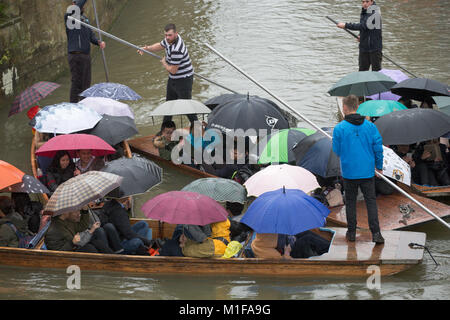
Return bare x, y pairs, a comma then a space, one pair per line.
219, 189
278, 148
362, 83
378, 108
443, 103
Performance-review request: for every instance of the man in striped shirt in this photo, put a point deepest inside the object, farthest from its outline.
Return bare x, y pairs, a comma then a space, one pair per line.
178, 63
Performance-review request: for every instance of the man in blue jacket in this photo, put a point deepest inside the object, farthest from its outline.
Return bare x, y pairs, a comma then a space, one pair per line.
359, 145
79, 39
370, 39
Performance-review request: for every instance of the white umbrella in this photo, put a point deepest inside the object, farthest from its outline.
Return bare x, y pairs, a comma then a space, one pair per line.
179, 107
108, 106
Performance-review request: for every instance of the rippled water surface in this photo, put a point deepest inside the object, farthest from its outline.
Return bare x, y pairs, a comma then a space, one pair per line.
293, 50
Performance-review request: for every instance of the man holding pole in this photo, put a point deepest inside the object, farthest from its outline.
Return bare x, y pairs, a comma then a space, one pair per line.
359, 145
79, 39
178, 63
370, 39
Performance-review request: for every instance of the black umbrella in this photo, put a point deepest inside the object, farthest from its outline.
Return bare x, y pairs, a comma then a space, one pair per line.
222, 99
315, 153
114, 129
412, 125
247, 112
139, 175
420, 89
29, 184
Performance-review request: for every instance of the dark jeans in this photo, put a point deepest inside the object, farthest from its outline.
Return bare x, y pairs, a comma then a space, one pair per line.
308, 244
351, 192
132, 245
80, 68
98, 243
370, 58
180, 89
113, 237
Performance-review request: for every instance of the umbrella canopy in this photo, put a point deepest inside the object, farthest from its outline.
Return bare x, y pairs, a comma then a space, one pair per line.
443, 103
108, 106
420, 89
278, 148
31, 96
139, 175
180, 106
285, 211
111, 90
28, 184
65, 118
222, 99
277, 176
378, 108
248, 112
9, 174
184, 207
74, 142
396, 75
78, 191
412, 125
114, 129
315, 153
219, 189
362, 83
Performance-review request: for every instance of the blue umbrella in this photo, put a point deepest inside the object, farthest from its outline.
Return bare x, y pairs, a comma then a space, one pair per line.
285, 211
111, 90
315, 153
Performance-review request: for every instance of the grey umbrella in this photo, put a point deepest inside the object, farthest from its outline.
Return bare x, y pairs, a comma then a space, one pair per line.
114, 129
362, 83
139, 175
412, 125
29, 184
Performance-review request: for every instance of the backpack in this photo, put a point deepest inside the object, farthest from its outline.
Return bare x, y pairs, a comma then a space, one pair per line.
242, 175
24, 239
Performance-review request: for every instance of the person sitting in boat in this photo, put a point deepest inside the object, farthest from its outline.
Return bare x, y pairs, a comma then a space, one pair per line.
60, 170
135, 239
14, 231
76, 231
32, 210
431, 163
163, 140
43, 162
87, 162
406, 152
279, 246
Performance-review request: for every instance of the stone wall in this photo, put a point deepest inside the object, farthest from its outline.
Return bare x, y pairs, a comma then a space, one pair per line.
33, 43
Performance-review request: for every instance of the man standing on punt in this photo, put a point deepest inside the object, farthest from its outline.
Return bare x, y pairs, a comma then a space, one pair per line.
178, 63
359, 145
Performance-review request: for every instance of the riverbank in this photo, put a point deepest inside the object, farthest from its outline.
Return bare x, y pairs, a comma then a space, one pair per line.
33, 39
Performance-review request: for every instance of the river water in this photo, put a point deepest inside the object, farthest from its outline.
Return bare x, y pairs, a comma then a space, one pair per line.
292, 49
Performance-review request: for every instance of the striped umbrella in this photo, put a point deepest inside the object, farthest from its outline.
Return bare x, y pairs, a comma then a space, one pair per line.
77, 192
219, 189
31, 96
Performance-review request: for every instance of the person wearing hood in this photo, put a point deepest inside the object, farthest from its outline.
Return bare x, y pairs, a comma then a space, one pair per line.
370, 38
79, 39
14, 230
359, 145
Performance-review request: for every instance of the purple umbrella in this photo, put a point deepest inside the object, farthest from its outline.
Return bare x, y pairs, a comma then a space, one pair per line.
31, 96
184, 207
398, 76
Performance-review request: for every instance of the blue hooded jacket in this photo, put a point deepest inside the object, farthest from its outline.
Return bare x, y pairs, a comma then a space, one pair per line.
79, 39
359, 145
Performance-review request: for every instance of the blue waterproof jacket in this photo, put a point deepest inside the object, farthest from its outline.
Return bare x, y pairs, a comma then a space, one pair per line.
359, 145
370, 39
79, 39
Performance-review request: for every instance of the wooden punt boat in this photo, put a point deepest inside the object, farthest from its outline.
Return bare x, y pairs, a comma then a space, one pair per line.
344, 259
390, 217
421, 190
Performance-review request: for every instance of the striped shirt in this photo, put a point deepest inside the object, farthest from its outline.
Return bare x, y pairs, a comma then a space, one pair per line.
177, 54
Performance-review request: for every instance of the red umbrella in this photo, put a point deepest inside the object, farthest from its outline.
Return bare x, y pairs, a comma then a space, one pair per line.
184, 207
74, 142
9, 174
31, 96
